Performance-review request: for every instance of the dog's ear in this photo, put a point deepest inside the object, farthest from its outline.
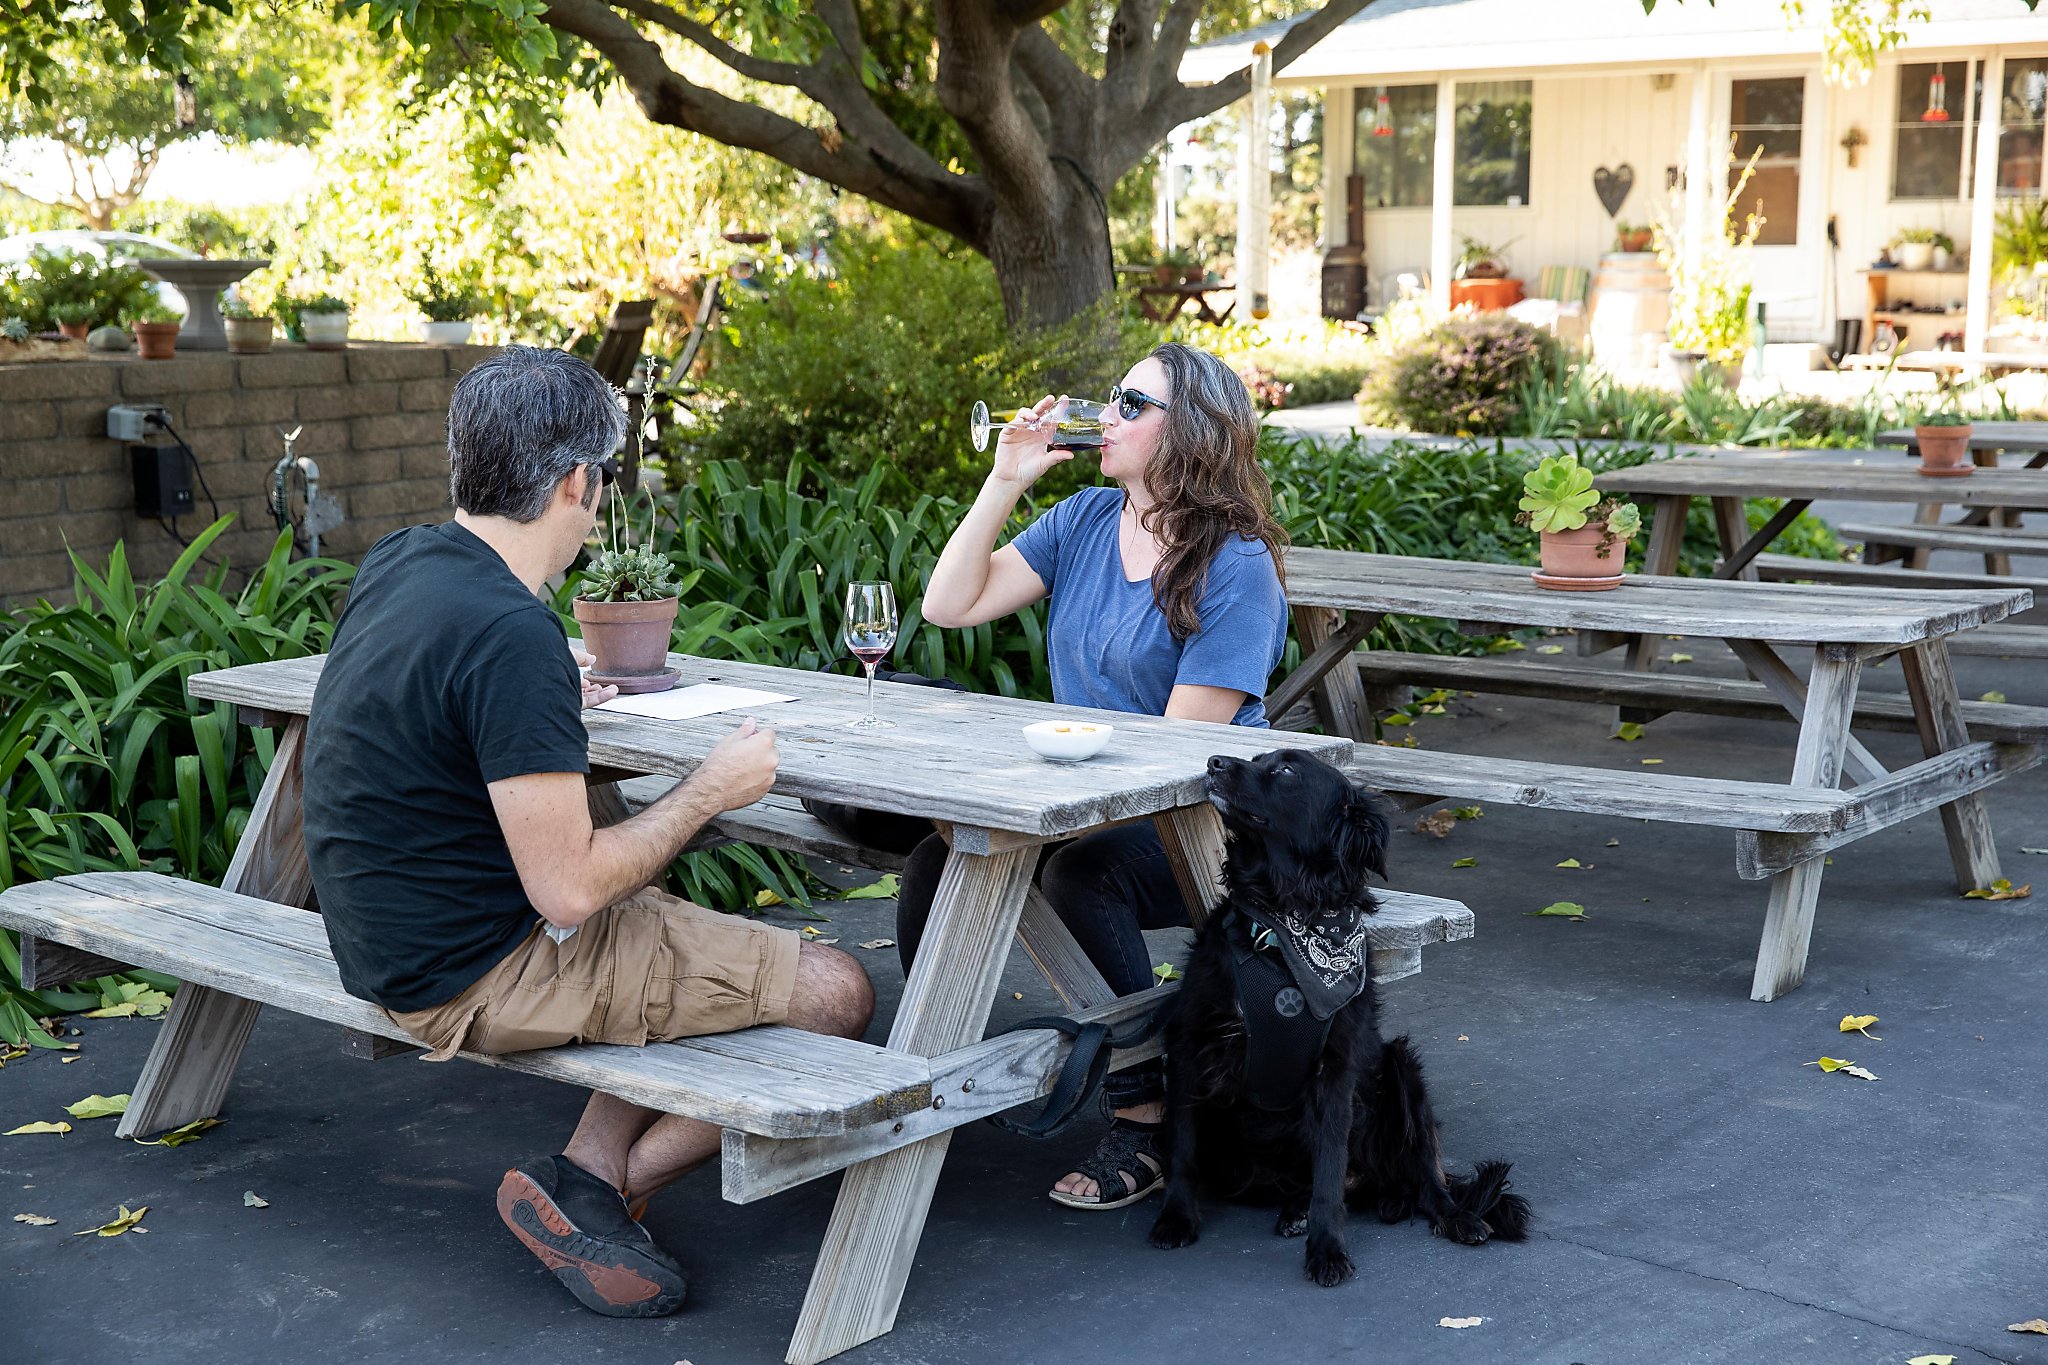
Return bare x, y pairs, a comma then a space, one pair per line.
1362, 840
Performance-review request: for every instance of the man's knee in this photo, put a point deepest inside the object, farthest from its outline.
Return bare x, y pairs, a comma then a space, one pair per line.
833, 993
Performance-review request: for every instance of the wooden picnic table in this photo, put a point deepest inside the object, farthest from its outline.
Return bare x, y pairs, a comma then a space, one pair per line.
1338, 596
1988, 440
958, 758
1165, 302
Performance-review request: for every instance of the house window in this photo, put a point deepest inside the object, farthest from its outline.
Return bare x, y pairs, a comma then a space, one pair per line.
2023, 113
1493, 144
1930, 133
1395, 147
1764, 118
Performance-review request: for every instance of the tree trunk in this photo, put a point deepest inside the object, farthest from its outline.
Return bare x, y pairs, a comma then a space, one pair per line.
1050, 266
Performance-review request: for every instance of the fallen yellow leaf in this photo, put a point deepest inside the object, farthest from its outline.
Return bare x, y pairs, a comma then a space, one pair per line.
1652, 762
2037, 1325
1860, 1023
1681, 658
1437, 824
1932, 1360
28, 1128
1628, 730
1836, 1064
1562, 910
1459, 1322
98, 1107
878, 943
766, 897
123, 1222
1571, 862
1550, 649
1465, 862
36, 1220
2000, 890
178, 1137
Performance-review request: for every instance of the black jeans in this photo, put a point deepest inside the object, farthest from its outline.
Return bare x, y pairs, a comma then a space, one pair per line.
1107, 888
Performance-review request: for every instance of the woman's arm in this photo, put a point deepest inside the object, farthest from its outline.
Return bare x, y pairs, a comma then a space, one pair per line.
1193, 701
974, 582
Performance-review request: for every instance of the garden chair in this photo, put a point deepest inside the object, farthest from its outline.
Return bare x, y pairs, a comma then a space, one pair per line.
619, 352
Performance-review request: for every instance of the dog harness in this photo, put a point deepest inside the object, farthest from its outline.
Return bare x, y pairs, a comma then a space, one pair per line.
1291, 981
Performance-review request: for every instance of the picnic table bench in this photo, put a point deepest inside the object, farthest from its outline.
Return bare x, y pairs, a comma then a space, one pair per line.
1784, 829
794, 1106
1988, 440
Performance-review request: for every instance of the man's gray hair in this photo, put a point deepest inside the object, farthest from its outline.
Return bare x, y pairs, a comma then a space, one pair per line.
519, 422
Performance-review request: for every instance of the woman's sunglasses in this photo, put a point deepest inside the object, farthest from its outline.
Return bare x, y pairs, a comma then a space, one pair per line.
1130, 403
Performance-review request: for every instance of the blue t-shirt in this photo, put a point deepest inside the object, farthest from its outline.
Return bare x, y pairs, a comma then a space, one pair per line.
1107, 640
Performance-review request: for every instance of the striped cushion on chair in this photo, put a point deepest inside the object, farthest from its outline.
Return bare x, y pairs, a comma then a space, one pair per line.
1564, 283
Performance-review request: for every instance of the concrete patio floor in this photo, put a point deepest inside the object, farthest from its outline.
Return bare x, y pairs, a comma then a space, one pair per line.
1701, 1194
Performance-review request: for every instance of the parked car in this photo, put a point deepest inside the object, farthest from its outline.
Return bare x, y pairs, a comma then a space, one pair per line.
119, 247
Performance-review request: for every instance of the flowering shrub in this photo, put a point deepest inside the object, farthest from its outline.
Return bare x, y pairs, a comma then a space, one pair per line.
1269, 391
1464, 375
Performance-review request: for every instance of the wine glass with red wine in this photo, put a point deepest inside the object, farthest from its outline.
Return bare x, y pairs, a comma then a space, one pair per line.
870, 633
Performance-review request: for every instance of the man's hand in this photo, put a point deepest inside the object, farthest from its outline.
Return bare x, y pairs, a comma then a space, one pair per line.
740, 768
593, 695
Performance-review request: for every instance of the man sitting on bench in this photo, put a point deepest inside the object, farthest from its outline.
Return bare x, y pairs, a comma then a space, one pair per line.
447, 824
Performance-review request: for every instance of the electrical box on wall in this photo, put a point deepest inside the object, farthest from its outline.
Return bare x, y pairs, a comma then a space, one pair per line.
163, 480
136, 422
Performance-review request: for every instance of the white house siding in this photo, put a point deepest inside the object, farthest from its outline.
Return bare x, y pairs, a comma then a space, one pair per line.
1582, 122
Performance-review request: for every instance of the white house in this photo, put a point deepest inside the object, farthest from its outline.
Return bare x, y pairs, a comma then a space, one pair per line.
1493, 118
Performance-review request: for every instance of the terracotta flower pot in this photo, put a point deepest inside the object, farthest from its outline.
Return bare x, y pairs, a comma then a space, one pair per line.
1633, 242
629, 640
1572, 561
249, 336
156, 340
1944, 451
76, 331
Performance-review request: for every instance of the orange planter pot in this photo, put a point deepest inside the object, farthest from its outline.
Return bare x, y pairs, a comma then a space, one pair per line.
1488, 296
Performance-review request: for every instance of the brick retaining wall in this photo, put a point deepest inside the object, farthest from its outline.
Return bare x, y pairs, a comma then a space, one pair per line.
374, 418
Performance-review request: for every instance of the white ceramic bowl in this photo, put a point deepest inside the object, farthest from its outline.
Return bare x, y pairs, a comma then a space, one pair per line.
1068, 741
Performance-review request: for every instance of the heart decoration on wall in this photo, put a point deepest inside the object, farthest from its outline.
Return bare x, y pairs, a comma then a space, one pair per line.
1613, 186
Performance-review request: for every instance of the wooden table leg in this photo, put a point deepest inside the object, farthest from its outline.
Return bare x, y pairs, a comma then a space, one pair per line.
1931, 682
872, 1238
1193, 836
193, 1059
1731, 524
1339, 696
1823, 744
1660, 558
1763, 664
1332, 651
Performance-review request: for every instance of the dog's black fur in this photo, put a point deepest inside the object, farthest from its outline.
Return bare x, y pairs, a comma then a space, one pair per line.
1302, 836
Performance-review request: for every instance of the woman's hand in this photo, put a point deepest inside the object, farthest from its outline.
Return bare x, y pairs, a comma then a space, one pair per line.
1021, 454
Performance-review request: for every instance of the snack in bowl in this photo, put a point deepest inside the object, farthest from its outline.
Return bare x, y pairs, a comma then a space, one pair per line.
1068, 741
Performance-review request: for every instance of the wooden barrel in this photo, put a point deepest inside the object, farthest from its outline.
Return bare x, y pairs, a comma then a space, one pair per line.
1631, 308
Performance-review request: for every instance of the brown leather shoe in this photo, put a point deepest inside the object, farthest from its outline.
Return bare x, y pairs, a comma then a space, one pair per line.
578, 1227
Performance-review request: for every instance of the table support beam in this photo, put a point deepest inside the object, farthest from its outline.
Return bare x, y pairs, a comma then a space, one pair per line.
1931, 682
1824, 743
1773, 672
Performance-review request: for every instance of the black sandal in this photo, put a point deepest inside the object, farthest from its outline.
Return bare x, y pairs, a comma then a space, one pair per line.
1128, 1158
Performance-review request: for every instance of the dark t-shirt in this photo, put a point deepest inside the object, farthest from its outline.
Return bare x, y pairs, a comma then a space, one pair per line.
446, 674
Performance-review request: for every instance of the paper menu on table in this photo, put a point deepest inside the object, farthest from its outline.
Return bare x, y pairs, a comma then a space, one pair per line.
687, 703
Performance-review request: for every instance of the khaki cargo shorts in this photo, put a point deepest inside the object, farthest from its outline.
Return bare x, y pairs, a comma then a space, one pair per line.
650, 968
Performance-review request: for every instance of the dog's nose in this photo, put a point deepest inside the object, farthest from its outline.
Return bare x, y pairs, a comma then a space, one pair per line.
1218, 763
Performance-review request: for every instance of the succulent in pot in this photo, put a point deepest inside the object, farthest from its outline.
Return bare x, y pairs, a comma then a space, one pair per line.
74, 320
250, 331
1579, 531
155, 328
626, 605
1944, 441
323, 322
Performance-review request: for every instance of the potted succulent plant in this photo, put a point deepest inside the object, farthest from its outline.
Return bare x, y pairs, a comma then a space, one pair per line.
448, 306
1579, 531
1944, 441
323, 321
249, 331
74, 320
626, 605
15, 330
155, 328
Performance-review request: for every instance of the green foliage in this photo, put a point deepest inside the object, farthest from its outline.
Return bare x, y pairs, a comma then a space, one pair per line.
48, 280
1576, 402
1464, 375
237, 310
1316, 361
151, 311
13, 329
73, 314
1624, 519
886, 357
444, 300
1945, 417
2019, 238
1926, 236
1556, 494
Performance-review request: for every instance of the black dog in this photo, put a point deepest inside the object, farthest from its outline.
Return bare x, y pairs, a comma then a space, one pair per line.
1279, 1086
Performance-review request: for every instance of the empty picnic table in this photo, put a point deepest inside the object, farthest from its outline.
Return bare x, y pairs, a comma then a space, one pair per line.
1785, 829
881, 1114
1994, 532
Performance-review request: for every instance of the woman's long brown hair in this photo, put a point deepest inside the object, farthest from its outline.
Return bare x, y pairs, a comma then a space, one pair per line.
1207, 487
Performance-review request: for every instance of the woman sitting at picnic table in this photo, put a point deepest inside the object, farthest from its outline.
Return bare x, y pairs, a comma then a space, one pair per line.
1166, 599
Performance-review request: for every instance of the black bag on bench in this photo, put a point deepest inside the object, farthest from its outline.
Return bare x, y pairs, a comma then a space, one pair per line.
877, 829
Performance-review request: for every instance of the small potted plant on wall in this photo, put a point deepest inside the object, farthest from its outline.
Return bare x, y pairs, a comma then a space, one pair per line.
74, 320
1584, 541
323, 321
250, 332
1913, 248
155, 328
1633, 236
626, 605
448, 308
1944, 441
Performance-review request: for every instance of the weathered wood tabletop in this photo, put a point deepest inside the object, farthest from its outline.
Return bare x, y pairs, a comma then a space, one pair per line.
1806, 479
1338, 596
957, 758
